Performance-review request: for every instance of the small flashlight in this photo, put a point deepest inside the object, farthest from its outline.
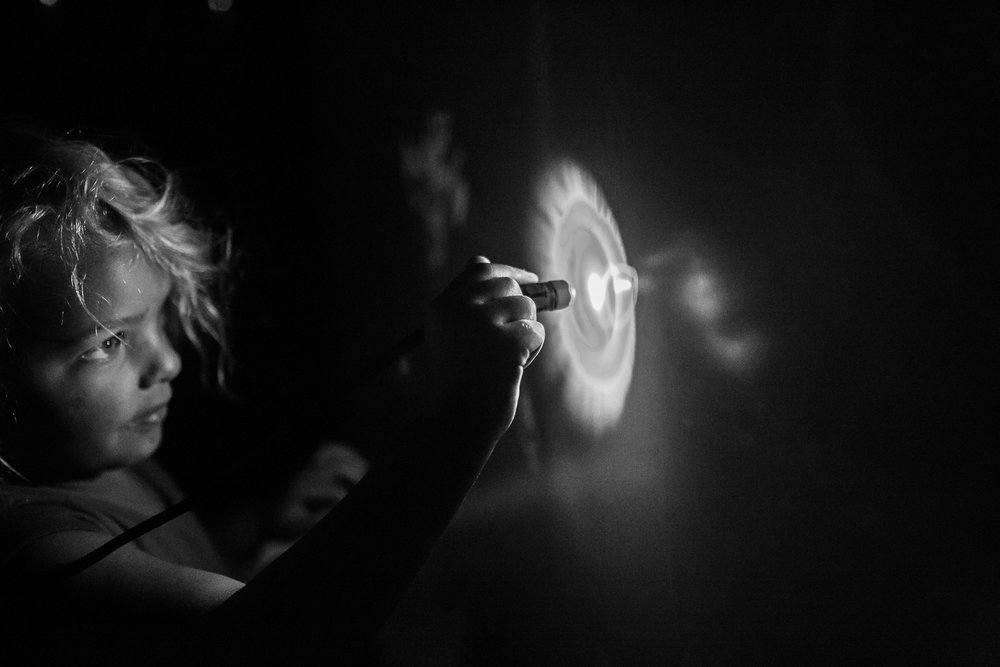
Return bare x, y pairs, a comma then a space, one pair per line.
551, 295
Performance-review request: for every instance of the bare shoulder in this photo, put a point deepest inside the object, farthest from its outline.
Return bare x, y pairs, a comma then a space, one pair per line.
128, 581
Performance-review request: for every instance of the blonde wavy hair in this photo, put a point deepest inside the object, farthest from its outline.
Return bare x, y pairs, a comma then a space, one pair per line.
61, 199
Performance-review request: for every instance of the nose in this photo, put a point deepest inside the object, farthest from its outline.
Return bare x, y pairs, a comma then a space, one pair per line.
162, 363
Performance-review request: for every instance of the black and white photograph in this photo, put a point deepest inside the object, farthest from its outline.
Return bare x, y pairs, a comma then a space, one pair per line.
499, 333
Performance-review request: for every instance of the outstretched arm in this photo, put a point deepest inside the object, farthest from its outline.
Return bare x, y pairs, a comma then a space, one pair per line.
352, 567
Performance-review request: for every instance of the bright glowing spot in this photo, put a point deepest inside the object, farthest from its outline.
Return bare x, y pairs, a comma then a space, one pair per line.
625, 283
596, 291
220, 5
702, 296
590, 346
622, 285
48, 3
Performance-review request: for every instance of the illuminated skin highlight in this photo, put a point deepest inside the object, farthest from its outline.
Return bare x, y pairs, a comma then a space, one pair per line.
93, 388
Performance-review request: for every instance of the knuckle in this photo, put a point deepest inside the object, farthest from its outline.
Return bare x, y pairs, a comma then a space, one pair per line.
480, 270
509, 286
529, 305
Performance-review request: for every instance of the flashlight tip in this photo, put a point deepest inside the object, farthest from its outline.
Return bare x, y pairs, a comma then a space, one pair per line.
565, 293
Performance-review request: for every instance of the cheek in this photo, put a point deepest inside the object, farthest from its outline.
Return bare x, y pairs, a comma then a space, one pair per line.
78, 403
88, 409
100, 407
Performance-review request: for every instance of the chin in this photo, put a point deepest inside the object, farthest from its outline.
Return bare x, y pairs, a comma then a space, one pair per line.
141, 448
128, 451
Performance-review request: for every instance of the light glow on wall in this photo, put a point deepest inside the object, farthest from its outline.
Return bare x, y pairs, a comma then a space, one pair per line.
590, 348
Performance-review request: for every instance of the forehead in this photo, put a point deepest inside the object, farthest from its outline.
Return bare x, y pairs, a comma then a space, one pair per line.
117, 283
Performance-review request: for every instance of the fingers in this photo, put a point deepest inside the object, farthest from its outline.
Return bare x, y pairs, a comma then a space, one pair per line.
483, 321
338, 462
329, 475
480, 268
499, 286
515, 313
500, 303
527, 338
503, 296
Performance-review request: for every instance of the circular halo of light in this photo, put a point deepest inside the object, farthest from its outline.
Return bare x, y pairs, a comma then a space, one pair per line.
590, 346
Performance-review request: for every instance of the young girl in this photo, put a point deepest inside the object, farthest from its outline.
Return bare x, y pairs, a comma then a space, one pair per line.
102, 276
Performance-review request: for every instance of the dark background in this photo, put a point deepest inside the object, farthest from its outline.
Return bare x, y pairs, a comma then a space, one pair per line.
834, 171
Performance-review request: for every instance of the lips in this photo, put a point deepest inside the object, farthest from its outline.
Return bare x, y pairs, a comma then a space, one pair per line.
152, 416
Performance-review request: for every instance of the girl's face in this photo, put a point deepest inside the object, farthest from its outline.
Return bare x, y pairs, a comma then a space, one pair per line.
92, 396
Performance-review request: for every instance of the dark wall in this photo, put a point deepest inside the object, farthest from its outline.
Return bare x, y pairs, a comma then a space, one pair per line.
829, 496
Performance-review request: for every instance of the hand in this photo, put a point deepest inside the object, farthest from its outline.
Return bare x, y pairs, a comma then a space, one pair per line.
326, 478
481, 334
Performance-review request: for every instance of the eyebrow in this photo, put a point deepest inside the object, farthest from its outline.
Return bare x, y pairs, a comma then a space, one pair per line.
95, 328
121, 321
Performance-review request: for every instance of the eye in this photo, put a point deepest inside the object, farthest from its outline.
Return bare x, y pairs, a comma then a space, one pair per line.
106, 348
